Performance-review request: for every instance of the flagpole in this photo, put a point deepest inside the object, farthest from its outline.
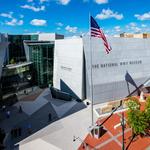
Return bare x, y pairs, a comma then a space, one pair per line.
91, 53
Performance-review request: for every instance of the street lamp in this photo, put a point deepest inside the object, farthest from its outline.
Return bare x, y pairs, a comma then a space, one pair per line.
82, 142
122, 124
29, 77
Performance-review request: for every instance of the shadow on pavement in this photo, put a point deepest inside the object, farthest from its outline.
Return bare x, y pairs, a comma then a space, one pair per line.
38, 121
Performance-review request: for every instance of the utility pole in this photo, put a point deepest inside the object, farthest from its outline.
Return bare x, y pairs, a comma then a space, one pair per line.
91, 74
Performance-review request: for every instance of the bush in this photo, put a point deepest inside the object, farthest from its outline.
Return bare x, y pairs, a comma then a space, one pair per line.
133, 104
136, 118
147, 110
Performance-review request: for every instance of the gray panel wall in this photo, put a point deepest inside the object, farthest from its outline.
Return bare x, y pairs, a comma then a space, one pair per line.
129, 60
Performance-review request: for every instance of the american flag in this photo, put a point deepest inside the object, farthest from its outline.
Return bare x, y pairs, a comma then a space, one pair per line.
96, 31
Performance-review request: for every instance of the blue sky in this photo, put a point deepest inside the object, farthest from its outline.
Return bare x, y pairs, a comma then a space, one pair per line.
70, 17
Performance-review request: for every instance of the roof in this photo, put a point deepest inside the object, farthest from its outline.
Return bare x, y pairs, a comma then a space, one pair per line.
33, 42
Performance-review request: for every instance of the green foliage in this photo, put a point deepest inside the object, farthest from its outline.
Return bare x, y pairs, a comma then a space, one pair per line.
147, 109
137, 121
136, 118
133, 104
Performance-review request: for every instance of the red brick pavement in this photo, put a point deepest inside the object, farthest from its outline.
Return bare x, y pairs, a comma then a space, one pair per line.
112, 139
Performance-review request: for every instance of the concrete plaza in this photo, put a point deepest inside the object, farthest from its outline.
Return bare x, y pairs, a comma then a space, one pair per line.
55, 132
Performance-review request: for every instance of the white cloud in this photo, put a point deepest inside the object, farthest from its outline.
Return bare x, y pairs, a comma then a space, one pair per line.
6, 15
132, 27
63, 2
59, 24
20, 22
58, 28
145, 16
107, 31
101, 1
117, 28
71, 29
38, 22
36, 9
21, 16
14, 22
132, 24
107, 13
143, 25
137, 29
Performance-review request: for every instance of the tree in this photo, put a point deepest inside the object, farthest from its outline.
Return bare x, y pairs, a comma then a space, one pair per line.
147, 109
136, 118
133, 103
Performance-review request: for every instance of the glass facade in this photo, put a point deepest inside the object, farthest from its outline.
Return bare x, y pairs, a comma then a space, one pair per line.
41, 54
16, 47
16, 78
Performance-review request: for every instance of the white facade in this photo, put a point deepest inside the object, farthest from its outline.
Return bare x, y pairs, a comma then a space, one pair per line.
114, 75
68, 66
42, 39
49, 36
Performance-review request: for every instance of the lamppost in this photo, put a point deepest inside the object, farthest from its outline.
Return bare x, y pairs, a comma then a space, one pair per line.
123, 126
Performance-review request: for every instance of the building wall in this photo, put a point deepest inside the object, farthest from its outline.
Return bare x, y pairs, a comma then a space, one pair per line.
49, 36
41, 54
16, 77
140, 35
130, 35
68, 66
148, 35
117, 74
16, 47
59, 36
126, 35
3, 49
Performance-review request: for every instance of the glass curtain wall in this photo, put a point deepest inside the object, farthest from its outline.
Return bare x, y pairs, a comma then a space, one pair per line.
42, 57
16, 47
